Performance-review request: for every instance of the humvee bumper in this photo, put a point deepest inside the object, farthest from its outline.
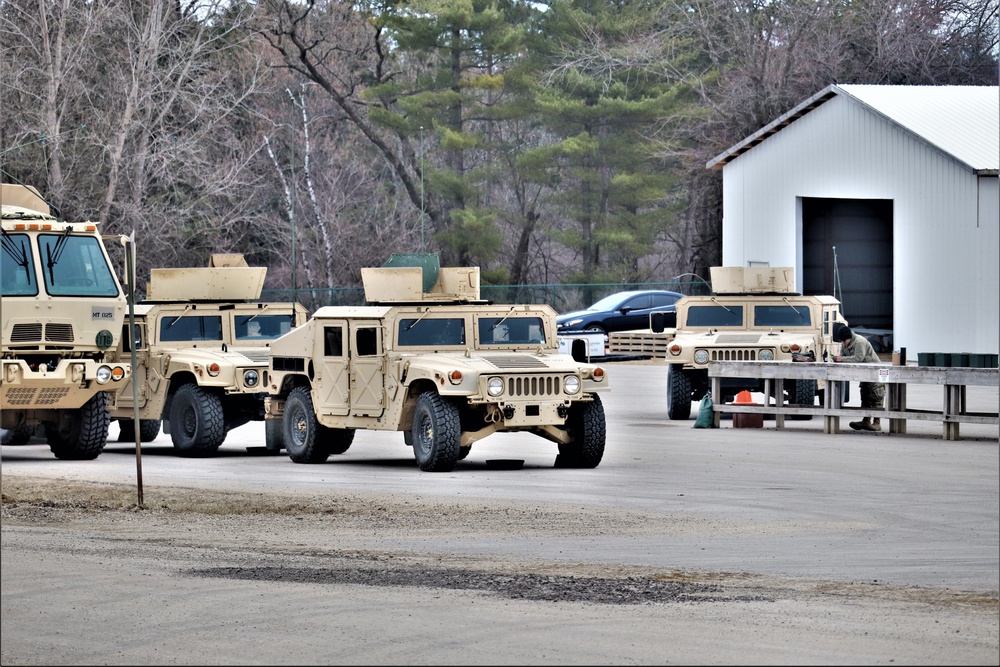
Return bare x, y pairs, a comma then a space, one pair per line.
68, 386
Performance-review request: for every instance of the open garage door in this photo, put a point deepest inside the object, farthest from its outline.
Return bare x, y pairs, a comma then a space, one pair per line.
861, 232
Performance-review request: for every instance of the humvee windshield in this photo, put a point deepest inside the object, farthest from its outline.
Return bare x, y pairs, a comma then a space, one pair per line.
75, 266
781, 316
17, 270
191, 328
511, 331
262, 327
715, 316
431, 331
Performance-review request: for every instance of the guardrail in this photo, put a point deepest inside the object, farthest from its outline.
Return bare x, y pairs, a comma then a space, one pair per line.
953, 380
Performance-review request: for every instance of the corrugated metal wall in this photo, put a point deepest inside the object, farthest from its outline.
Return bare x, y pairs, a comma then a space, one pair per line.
944, 277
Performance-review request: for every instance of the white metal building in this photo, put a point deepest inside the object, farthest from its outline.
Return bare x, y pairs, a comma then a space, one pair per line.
887, 197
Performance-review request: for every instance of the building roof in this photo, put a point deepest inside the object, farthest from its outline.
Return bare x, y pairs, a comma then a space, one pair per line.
961, 121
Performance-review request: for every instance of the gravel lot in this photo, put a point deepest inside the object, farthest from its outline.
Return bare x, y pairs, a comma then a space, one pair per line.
255, 560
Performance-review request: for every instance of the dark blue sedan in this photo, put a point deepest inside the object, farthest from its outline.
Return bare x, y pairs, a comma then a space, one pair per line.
622, 311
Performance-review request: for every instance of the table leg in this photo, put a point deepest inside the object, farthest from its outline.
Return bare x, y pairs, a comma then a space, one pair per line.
717, 400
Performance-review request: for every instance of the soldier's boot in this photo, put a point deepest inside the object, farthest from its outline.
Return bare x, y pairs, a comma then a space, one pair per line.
876, 425
863, 425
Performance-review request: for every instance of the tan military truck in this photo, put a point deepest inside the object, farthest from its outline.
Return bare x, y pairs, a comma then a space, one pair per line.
753, 315
429, 358
62, 308
202, 341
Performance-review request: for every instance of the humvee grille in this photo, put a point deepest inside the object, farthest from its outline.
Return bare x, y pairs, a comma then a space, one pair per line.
515, 361
26, 396
61, 333
26, 333
733, 355
534, 385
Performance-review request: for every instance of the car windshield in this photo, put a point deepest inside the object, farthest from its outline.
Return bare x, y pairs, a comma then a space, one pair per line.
191, 328
781, 316
715, 316
511, 331
609, 302
431, 331
257, 327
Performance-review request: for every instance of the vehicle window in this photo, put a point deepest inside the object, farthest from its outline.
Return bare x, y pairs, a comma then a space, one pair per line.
607, 303
333, 341
431, 331
262, 327
661, 300
781, 316
715, 316
511, 331
366, 342
75, 266
640, 302
17, 268
191, 328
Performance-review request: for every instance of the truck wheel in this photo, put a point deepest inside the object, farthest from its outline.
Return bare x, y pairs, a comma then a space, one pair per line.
197, 424
87, 433
678, 393
803, 393
17, 436
148, 430
463, 452
589, 430
338, 439
301, 431
436, 433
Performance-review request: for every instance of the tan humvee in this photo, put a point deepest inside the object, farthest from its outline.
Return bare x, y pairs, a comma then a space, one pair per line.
427, 357
753, 315
202, 343
62, 310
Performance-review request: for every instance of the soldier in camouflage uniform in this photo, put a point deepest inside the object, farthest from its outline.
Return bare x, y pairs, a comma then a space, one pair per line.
857, 350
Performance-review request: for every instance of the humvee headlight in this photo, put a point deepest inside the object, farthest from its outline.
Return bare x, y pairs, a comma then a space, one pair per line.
766, 355
251, 378
213, 369
494, 386
117, 373
701, 357
571, 384
103, 374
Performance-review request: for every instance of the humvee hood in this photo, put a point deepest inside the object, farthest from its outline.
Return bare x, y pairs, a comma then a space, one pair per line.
215, 355
501, 361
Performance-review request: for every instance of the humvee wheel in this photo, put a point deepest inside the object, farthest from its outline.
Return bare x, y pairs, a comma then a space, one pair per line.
436, 433
17, 436
587, 424
301, 432
86, 435
197, 425
463, 452
678, 393
148, 430
803, 393
338, 439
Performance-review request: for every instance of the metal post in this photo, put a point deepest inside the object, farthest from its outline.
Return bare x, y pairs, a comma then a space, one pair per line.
291, 215
421, 188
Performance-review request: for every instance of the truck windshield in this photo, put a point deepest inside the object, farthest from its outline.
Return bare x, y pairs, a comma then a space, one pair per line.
511, 331
781, 316
17, 267
75, 266
191, 328
715, 316
262, 327
431, 331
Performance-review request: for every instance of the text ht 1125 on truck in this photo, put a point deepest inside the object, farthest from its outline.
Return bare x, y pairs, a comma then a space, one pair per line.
428, 358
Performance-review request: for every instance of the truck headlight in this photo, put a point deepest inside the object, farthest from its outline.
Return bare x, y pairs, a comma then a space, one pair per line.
494, 386
103, 374
701, 357
251, 378
766, 355
571, 384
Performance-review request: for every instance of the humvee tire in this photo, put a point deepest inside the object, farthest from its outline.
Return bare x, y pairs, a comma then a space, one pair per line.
803, 393
197, 424
436, 433
306, 440
148, 430
16, 437
87, 433
589, 429
678, 393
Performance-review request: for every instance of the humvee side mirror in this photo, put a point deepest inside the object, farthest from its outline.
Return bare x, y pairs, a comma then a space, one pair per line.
657, 322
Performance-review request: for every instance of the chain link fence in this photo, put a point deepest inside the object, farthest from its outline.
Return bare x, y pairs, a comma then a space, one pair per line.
562, 297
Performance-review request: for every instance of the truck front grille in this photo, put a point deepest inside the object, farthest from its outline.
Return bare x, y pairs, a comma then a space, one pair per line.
534, 385
733, 355
26, 396
32, 333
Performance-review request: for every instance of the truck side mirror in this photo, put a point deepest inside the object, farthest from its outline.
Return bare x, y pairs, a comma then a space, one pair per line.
657, 322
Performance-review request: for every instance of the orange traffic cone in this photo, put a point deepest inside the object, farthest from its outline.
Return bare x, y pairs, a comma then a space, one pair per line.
743, 398
744, 420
